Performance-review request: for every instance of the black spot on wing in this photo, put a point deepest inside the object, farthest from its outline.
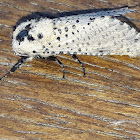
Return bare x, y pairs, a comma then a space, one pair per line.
58, 38
34, 51
73, 26
30, 38
66, 29
28, 27
77, 21
60, 31
40, 36
61, 52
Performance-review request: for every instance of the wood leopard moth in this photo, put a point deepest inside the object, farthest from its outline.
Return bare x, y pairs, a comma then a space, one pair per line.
93, 32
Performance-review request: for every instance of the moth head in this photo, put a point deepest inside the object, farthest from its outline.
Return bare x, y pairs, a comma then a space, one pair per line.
28, 37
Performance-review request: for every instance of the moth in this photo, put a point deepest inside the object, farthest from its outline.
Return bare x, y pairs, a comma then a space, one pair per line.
99, 32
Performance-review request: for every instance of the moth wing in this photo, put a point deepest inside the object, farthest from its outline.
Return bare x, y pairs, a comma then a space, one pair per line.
94, 35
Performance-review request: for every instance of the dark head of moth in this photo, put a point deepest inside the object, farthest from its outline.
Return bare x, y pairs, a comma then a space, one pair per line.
42, 36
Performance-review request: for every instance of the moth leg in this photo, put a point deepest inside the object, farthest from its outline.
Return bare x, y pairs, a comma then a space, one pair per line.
62, 66
53, 58
76, 58
15, 67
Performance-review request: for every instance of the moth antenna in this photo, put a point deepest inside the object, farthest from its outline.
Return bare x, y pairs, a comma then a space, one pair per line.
15, 67
76, 58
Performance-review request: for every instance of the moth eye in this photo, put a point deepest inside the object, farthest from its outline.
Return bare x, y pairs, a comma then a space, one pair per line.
21, 35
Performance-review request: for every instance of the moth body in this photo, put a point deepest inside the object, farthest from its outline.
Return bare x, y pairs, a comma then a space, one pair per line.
100, 33
95, 33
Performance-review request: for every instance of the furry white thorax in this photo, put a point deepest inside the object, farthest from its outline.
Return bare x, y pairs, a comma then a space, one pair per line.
85, 34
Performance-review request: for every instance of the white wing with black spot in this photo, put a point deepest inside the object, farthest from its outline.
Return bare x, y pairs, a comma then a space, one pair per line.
97, 33
94, 35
